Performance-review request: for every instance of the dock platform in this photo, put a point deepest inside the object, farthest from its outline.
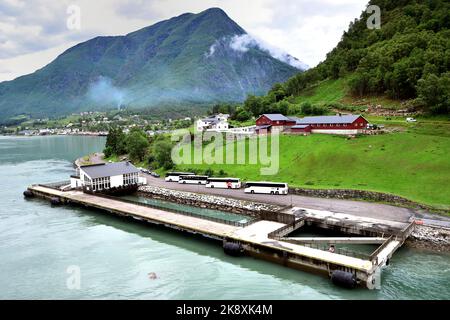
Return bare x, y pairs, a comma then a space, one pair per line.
260, 238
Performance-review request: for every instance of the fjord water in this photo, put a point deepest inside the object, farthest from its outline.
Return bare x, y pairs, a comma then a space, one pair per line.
38, 243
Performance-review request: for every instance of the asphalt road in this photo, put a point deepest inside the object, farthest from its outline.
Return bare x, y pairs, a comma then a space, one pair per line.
357, 208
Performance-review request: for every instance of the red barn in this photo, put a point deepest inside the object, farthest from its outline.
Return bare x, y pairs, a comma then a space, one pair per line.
340, 124
300, 129
266, 122
274, 120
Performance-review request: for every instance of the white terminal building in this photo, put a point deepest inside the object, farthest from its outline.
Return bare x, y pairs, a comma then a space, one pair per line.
106, 176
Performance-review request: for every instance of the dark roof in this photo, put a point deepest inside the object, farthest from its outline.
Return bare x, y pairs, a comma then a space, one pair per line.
263, 127
109, 169
276, 117
350, 118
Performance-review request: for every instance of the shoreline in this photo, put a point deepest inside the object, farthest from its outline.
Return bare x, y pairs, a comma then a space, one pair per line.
51, 135
365, 196
432, 238
427, 235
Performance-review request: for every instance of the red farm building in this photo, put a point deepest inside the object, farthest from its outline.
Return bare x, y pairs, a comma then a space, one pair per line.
266, 122
339, 124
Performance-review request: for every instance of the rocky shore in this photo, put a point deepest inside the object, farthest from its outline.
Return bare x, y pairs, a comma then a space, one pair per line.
432, 238
426, 237
207, 201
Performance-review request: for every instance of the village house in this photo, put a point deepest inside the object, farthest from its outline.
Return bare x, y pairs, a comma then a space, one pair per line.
106, 176
214, 123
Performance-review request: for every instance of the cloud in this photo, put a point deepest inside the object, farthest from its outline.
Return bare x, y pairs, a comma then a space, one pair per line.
243, 43
305, 29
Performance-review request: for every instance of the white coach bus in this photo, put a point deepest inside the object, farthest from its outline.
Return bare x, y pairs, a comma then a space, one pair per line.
193, 179
175, 176
224, 183
266, 187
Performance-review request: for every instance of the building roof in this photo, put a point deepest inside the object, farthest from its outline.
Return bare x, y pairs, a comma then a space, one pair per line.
109, 169
300, 126
263, 127
276, 117
350, 118
294, 119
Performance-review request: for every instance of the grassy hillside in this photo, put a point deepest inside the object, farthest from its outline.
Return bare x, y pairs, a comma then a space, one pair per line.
412, 163
331, 91
406, 59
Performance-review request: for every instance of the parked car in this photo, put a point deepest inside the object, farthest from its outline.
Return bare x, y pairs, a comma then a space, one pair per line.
154, 174
411, 120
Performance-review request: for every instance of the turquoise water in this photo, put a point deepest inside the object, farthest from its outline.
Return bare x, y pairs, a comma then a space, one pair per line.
39, 242
198, 211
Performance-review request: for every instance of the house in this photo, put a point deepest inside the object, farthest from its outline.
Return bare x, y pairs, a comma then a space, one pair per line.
339, 124
214, 123
267, 123
106, 176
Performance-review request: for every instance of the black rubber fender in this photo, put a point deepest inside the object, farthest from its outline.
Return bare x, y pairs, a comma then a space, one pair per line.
344, 279
233, 249
55, 201
28, 194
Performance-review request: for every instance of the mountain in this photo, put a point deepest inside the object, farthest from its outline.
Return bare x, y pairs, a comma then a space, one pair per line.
192, 58
403, 64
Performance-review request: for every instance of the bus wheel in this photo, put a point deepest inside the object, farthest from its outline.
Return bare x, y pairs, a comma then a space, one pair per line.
277, 193
271, 192
212, 187
253, 191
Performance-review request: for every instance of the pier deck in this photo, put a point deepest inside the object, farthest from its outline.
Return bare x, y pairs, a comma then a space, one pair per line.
187, 223
255, 238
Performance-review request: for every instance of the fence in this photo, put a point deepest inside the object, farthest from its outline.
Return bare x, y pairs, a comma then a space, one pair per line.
279, 235
55, 185
280, 217
182, 212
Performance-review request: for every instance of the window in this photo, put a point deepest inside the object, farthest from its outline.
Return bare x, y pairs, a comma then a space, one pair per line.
130, 178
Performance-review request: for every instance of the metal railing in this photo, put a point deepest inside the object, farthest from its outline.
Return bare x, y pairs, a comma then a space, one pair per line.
285, 230
182, 212
345, 252
279, 235
55, 185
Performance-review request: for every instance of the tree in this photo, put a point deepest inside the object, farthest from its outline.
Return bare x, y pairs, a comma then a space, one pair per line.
254, 105
162, 152
434, 92
243, 115
115, 142
137, 145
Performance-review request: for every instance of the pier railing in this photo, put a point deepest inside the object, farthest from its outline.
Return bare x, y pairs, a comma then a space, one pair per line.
182, 212
55, 185
280, 234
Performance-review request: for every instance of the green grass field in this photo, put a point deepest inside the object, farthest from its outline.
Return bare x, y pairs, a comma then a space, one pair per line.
329, 91
325, 91
413, 163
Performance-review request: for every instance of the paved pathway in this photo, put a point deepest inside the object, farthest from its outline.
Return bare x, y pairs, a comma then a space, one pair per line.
353, 207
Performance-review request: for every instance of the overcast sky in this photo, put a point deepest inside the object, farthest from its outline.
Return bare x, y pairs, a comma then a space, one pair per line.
35, 32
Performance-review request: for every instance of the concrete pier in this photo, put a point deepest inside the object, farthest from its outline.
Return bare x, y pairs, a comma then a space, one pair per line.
266, 239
